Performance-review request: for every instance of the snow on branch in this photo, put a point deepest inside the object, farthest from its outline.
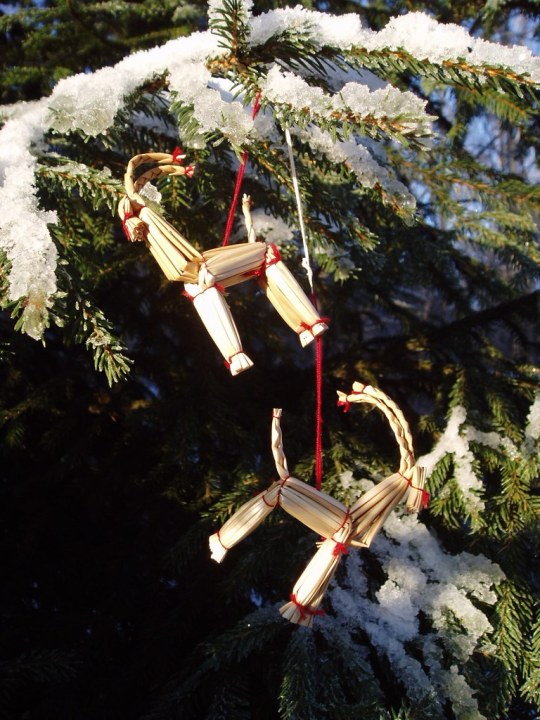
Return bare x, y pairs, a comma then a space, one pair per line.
193, 66
422, 579
426, 39
358, 159
428, 617
455, 442
24, 235
415, 33
323, 29
388, 109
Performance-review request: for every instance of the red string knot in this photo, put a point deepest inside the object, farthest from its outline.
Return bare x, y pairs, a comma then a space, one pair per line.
272, 257
345, 404
426, 497
307, 326
178, 156
340, 549
189, 171
257, 273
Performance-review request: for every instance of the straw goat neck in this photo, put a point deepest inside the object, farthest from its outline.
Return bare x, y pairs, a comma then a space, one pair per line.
208, 273
340, 527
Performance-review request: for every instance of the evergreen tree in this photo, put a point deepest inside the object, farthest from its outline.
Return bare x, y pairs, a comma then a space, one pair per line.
125, 443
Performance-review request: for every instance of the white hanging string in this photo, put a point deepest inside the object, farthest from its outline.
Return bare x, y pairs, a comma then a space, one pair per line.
305, 262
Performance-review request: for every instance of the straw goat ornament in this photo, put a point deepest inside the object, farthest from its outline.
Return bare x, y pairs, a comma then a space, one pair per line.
207, 274
338, 526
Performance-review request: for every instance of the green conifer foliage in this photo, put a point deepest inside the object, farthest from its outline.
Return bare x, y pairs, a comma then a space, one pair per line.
124, 443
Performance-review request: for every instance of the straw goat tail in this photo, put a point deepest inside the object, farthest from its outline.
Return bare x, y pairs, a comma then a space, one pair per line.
277, 445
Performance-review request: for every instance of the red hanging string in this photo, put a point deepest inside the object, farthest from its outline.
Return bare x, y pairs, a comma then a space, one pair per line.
318, 406
239, 178
318, 415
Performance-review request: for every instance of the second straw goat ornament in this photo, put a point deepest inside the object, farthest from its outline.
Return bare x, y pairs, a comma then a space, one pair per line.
206, 274
339, 526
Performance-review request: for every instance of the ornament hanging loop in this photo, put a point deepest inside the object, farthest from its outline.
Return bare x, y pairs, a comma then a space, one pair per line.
306, 264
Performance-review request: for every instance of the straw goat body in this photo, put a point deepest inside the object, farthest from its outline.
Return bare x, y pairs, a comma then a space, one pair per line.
340, 527
208, 273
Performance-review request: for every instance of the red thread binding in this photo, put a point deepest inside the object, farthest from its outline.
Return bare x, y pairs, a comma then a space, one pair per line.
345, 404
127, 215
257, 273
340, 549
345, 519
425, 495
239, 178
278, 500
217, 286
304, 610
227, 363
275, 256
178, 156
265, 501
221, 542
189, 171
306, 326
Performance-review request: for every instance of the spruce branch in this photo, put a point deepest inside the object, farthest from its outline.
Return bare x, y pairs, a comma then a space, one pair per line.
94, 331
454, 73
97, 187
